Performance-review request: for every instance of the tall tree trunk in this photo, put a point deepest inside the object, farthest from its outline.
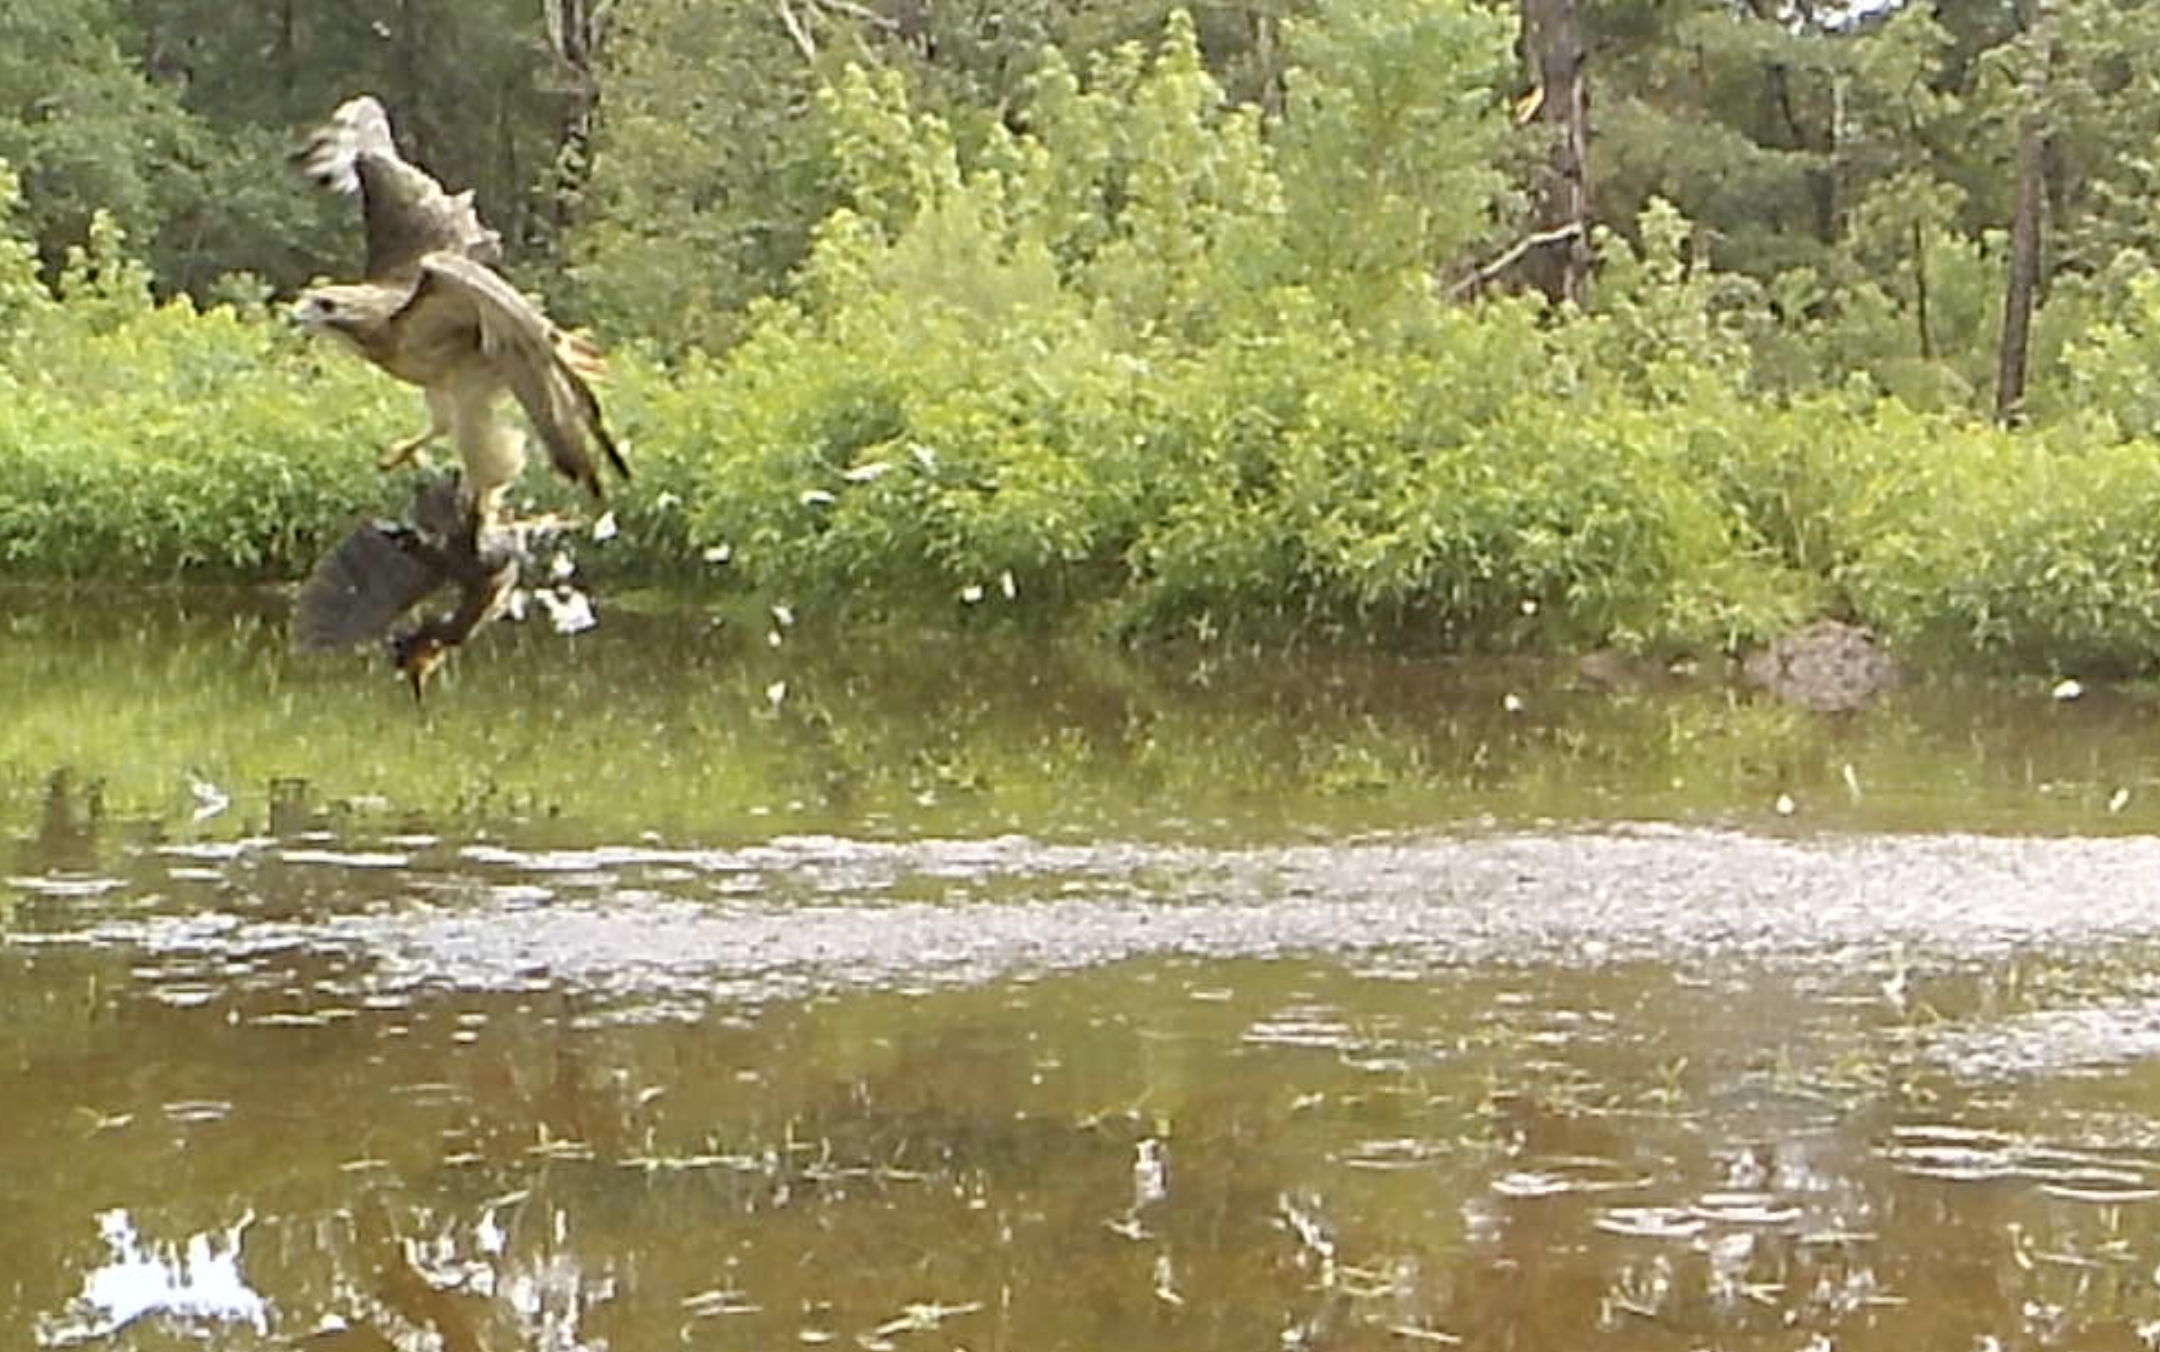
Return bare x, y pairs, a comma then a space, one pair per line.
288, 50
575, 30
1269, 61
1920, 291
2025, 220
1553, 42
412, 73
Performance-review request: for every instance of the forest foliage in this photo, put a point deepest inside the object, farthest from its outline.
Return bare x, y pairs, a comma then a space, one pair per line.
1143, 320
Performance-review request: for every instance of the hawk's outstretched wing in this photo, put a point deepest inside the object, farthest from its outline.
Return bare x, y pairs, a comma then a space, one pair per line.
546, 368
408, 213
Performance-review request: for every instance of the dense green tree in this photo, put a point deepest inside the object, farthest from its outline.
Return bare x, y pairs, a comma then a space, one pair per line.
709, 169
712, 159
83, 126
476, 92
1394, 105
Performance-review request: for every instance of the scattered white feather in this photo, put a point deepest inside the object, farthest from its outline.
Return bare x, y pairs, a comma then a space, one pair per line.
2067, 689
210, 800
1150, 1172
568, 609
606, 527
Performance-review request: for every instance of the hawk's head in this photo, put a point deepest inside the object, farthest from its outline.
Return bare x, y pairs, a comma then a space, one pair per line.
347, 312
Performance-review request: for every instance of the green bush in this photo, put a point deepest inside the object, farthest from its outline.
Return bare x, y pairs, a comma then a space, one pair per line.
1102, 366
2020, 554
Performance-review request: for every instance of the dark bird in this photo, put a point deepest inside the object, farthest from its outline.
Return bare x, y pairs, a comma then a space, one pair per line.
432, 311
384, 569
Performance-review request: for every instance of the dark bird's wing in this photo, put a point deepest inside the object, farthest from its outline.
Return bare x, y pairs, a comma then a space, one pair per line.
385, 568
544, 367
360, 588
408, 213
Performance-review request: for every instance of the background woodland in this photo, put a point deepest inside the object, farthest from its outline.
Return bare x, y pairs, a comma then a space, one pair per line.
1426, 323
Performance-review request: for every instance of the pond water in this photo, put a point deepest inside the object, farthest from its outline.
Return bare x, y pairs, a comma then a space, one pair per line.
689, 985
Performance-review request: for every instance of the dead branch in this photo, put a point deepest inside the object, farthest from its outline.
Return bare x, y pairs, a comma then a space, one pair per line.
804, 43
1513, 254
861, 12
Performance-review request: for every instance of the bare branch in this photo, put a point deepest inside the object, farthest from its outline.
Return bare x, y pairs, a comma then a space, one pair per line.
856, 11
1513, 254
804, 43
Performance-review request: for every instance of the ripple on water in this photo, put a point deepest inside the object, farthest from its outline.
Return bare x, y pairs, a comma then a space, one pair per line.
198, 1110
61, 886
1652, 1222
1301, 1026
1560, 1175
1954, 1153
1395, 1153
1745, 1208
214, 851
369, 859
692, 928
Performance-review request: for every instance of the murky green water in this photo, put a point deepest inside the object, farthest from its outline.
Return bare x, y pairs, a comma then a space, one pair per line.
676, 987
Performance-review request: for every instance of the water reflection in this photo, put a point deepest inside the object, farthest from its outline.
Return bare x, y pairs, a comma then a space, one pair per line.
668, 723
70, 815
366, 1093
196, 1283
1055, 1000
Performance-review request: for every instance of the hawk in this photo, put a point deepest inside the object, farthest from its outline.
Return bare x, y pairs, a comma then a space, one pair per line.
432, 311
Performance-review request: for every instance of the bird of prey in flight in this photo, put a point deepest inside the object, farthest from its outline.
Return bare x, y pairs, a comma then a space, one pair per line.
431, 310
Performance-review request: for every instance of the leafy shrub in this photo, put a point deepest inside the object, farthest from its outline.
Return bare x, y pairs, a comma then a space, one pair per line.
1105, 366
2020, 553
